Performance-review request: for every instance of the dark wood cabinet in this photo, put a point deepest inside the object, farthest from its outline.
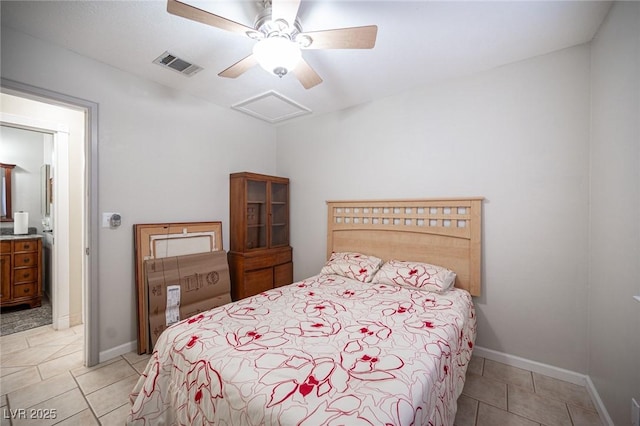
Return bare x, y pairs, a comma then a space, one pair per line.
260, 257
21, 264
5, 267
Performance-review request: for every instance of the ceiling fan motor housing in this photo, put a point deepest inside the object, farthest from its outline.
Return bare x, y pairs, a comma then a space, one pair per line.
270, 28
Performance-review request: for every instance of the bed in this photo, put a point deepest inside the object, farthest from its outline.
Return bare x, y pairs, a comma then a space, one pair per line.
379, 336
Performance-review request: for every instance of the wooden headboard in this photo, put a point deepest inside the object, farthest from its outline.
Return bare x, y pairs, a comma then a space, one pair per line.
444, 232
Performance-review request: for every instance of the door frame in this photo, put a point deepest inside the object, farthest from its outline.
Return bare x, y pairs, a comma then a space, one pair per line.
91, 276
60, 135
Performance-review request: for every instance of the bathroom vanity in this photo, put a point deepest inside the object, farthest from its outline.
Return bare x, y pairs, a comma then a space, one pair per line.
21, 267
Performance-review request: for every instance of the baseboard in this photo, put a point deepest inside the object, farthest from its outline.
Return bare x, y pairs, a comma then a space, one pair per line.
597, 401
117, 351
536, 367
551, 371
61, 323
75, 319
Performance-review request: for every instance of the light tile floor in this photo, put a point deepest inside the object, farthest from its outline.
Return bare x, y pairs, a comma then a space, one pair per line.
42, 370
42, 375
498, 394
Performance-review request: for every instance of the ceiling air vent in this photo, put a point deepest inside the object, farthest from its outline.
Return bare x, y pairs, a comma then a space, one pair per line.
179, 65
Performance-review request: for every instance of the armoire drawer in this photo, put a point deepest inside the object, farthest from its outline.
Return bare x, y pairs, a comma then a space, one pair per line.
270, 258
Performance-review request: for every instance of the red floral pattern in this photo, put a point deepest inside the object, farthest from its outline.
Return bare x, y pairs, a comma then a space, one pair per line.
356, 266
327, 350
416, 274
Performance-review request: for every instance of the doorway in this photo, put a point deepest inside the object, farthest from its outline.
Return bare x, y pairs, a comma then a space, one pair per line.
27, 151
74, 253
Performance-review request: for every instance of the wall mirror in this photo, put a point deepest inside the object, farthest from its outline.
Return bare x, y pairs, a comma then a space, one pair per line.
46, 190
7, 214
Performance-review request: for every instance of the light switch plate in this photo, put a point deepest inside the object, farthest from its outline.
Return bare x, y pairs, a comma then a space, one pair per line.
106, 219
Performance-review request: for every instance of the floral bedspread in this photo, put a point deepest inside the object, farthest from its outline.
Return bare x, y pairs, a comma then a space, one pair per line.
324, 351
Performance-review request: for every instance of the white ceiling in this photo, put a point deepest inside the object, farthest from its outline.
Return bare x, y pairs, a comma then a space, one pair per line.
418, 42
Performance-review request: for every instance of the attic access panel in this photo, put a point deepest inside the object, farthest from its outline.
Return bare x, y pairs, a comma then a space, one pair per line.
271, 107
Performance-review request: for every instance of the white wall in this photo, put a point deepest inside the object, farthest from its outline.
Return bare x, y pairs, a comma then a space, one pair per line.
614, 317
163, 157
517, 135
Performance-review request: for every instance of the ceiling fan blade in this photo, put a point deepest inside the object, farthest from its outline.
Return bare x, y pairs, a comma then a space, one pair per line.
285, 10
306, 75
239, 67
184, 10
343, 38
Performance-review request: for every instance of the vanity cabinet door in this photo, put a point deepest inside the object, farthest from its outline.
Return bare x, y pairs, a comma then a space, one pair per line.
5, 265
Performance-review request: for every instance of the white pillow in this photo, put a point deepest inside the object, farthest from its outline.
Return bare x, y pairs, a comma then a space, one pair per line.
416, 274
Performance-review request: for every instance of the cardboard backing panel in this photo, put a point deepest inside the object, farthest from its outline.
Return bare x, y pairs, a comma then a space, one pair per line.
159, 240
182, 286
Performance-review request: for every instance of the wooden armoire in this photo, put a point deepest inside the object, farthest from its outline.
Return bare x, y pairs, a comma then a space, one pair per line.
260, 257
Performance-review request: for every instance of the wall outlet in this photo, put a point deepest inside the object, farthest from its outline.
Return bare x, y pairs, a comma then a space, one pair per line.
635, 413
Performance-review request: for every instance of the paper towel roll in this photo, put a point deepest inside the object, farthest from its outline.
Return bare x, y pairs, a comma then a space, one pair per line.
21, 223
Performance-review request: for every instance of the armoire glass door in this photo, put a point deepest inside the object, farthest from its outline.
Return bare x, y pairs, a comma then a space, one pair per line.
279, 213
256, 214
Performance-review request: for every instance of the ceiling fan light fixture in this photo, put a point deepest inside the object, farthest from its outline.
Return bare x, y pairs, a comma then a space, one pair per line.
277, 55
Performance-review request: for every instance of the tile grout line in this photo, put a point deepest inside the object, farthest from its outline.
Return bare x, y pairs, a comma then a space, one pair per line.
533, 382
97, 390
108, 412
84, 396
507, 398
8, 407
566, 406
477, 412
48, 399
536, 391
478, 402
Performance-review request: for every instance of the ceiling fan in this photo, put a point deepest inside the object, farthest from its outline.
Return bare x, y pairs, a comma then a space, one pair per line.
280, 39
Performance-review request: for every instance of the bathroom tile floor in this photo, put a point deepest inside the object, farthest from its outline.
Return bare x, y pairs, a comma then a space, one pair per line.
42, 374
